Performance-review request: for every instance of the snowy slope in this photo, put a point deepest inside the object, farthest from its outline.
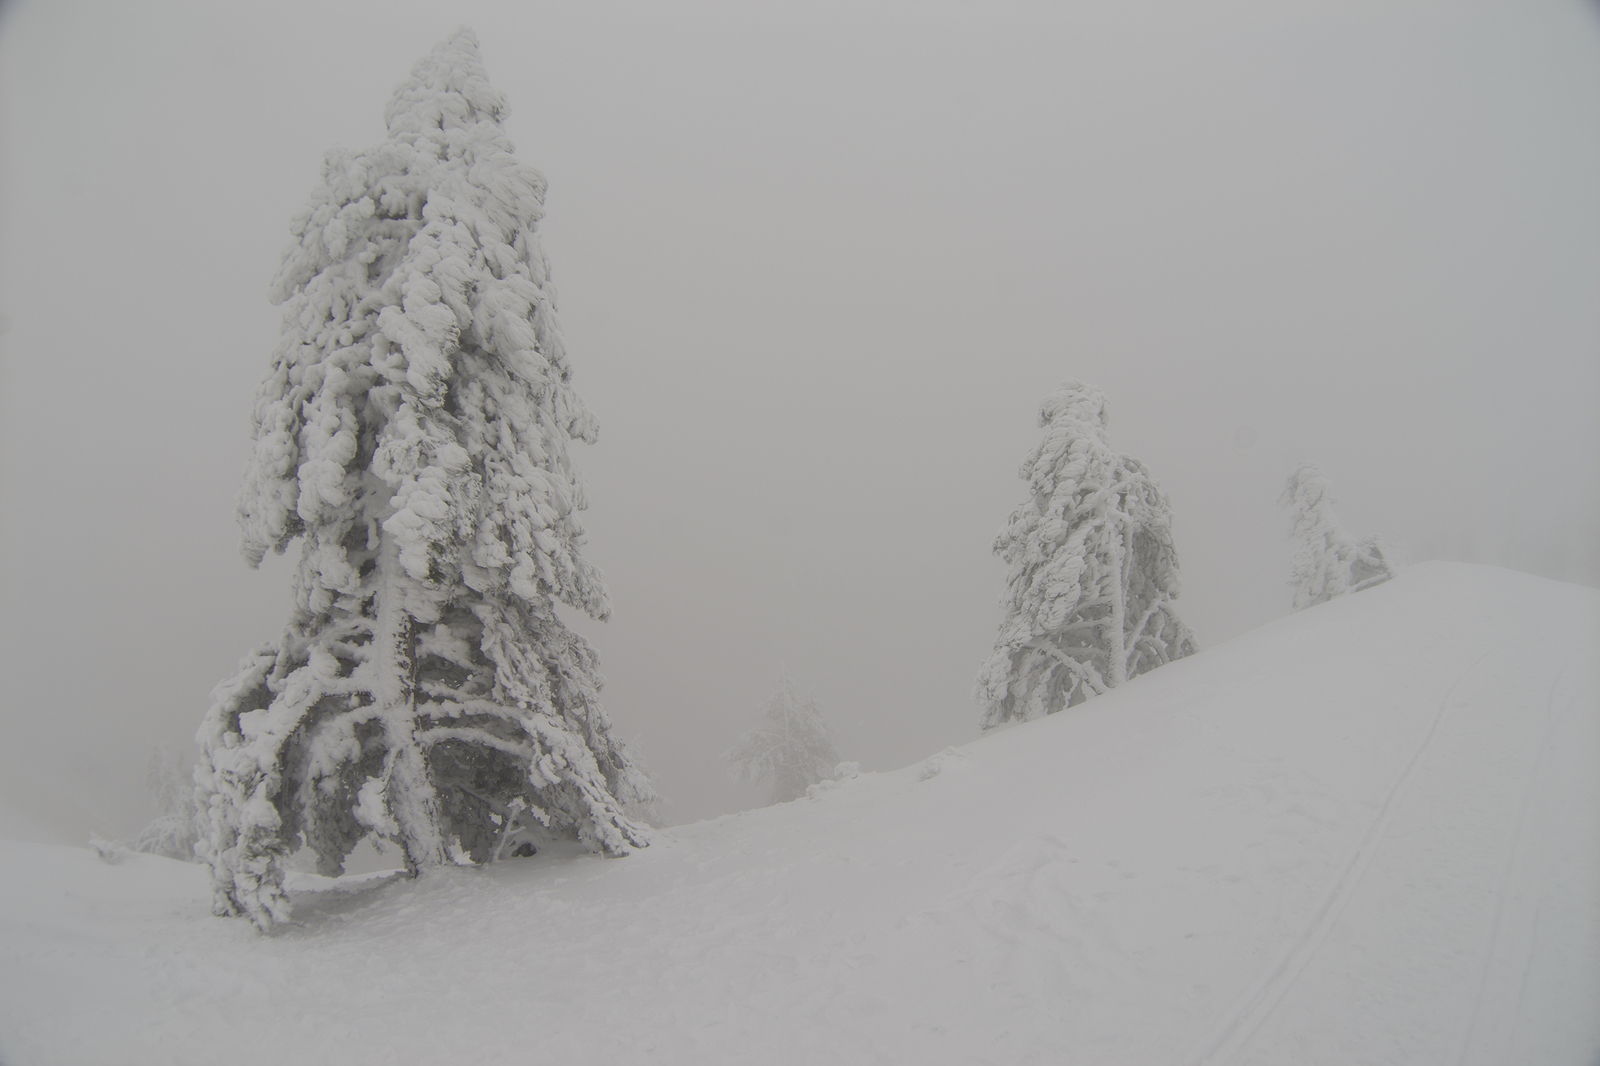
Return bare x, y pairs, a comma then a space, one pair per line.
1367, 833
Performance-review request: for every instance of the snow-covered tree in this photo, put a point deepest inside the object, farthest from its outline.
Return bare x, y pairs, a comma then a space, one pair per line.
175, 829
1327, 561
1093, 571
413, 432
793, 747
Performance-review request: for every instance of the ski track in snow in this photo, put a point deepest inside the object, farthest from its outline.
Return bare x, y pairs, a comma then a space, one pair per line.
1516, 860
1252, 1012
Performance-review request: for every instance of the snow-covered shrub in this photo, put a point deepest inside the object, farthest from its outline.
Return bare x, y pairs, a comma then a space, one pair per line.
845, 771
1093, 571
413, 431
1327, 561
793, 747
110, 852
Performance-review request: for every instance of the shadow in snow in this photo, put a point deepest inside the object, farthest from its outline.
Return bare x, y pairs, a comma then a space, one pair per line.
317, 900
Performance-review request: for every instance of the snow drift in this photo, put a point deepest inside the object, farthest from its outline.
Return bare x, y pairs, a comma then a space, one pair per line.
1367, 833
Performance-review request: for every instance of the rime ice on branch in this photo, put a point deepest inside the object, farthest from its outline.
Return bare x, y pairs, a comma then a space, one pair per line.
1327, 561
1093, 571
793, 747
413, 432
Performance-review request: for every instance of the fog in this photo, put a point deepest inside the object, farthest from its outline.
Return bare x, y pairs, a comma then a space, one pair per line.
817, 267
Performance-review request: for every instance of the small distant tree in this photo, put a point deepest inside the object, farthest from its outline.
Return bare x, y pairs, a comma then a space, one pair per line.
413, 433
175, 829
1327, 561
793, 747
1093, 571
647, 805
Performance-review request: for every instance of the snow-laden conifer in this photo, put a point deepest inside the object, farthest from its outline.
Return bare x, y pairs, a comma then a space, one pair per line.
413, 432
175, 829
1093, 571
793, 747
1327, 561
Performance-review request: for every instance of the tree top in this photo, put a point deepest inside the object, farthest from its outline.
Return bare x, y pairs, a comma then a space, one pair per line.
1076, 401
448, 89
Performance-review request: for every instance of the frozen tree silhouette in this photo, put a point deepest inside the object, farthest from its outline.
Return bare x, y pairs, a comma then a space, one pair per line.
1327, 561
1093, 571
175, 829
793, 747
413, 432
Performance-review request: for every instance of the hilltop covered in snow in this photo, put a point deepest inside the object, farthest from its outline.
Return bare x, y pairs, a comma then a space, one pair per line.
1367, 833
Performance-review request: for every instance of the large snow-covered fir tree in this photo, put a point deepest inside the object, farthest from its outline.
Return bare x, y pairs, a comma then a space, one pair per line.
413, 432
1093, 571
793, 747
1327, 561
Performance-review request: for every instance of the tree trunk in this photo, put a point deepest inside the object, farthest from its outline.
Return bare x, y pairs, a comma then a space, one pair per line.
1117, 640
408, 791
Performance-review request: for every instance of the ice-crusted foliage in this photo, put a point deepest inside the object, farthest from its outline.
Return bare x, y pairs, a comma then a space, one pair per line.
413, 431
793, 747
1093, 571
1327, 561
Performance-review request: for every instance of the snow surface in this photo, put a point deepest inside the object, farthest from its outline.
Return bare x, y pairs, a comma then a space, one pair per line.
1367, 833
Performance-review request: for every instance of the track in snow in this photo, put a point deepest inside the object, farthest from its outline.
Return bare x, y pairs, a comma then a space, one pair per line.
1500, 943
1252, 1011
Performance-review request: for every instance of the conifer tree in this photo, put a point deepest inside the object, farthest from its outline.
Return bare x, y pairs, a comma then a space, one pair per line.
174, 831
793, 747
1093, 571
413, 433
1327, 561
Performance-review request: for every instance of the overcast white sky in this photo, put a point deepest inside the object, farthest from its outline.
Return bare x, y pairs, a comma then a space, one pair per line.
818, 264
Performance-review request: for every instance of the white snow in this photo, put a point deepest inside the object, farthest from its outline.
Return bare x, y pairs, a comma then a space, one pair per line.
1366, 833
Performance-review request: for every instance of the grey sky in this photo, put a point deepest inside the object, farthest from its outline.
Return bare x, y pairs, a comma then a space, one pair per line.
818, 264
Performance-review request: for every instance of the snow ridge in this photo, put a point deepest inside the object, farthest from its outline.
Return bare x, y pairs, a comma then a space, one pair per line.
1368, 832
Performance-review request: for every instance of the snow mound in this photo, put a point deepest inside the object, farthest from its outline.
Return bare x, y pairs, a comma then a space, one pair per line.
1369, 832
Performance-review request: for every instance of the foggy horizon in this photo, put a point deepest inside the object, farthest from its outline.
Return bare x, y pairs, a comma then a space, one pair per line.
817, 268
